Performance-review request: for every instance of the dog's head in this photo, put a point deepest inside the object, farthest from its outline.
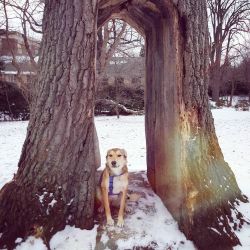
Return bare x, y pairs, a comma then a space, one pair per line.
116, 158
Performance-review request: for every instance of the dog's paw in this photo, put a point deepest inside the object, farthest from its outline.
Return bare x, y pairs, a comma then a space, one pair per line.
120, 222
128, 209
110, 222
100, 209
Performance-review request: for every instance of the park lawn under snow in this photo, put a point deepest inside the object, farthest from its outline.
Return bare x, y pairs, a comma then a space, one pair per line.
233, 131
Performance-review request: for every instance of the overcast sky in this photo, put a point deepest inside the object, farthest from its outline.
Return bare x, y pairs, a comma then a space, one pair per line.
14, 16
15, 22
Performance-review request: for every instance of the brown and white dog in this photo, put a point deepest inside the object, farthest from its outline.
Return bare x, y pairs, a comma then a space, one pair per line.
114, 184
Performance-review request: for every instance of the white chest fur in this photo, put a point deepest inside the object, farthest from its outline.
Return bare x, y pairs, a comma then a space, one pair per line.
120, 183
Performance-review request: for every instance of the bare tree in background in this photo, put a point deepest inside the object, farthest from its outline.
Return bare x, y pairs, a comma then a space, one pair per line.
229, 82
114, 37
235, 79
28, 14
228, 19
115, 40
118, 38
105, 47
245, 67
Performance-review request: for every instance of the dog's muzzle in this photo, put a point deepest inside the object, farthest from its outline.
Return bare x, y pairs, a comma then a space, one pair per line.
114, 165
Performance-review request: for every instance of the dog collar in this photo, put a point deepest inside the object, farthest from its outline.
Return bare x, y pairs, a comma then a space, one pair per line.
117, 175
111, 183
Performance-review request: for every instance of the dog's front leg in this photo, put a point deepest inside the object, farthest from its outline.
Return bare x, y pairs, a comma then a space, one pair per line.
120, 222
105, 197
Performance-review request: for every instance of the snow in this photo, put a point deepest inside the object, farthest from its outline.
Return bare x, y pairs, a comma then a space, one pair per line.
18, 240
215, 230
15, 72
151, 224
31, 243
74, 238
41, 197
19, 59
127, 132
69, 238
233, 131
52, 203
6, 117
12, 135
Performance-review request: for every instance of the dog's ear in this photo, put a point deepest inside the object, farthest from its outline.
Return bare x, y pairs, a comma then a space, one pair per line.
107, 154
125, 153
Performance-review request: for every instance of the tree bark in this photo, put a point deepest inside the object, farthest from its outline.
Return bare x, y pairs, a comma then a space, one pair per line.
185, 164
54, 185
215, 83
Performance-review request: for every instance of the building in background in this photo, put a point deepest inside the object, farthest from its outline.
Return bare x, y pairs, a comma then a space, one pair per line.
12, 44
15, 44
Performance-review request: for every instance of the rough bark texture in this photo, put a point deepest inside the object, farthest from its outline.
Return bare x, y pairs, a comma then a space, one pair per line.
185, 164
60, 154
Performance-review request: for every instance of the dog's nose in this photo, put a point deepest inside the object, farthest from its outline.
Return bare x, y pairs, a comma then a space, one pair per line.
113, 163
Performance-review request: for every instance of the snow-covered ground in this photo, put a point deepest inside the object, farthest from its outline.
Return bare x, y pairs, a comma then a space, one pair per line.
233, 131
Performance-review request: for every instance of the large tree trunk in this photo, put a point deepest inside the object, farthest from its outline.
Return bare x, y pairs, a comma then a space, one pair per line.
185, 163
215, 82
60, 154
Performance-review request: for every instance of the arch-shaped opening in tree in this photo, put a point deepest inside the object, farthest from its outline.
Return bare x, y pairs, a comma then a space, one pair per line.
121, 82
164, 36
185, 165
120, 69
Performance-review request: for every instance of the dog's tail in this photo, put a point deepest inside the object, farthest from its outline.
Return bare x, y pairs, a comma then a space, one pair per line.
134, 197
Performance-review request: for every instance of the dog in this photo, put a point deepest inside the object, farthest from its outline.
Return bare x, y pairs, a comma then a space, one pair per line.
113, 184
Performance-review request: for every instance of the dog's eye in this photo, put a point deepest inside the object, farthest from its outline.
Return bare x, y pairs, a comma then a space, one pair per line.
110, 155
119, 155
